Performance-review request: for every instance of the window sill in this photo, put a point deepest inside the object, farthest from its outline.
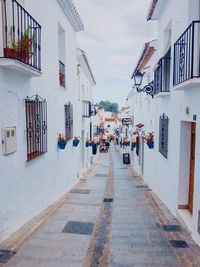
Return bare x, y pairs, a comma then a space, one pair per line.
20, 67
191, 83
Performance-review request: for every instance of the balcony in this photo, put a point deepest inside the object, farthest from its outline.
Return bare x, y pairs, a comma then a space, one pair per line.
62, 73
186, 58
86, 109
162, 76
21, 35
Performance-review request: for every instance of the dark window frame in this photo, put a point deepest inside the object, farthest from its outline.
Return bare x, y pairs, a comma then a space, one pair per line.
36, 126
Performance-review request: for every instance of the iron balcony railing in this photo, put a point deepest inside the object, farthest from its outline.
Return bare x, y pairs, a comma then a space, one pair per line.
21, 34
162, 76
62, 73
187, 54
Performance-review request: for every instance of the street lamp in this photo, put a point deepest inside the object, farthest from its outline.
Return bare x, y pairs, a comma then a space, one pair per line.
96, 108
138, 77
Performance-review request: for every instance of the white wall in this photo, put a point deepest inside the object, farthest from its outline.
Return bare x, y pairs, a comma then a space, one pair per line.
169, 177
28, 187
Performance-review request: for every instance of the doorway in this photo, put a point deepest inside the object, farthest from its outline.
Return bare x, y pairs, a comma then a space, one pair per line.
192, 167
187, 166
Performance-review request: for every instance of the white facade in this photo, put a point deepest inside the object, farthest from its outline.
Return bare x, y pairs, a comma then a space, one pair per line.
170, 176
28, 187
85, 83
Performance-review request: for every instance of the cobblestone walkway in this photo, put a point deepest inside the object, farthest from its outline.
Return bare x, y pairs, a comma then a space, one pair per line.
111, 218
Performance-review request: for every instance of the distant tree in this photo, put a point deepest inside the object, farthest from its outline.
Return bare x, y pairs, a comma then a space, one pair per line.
108, 106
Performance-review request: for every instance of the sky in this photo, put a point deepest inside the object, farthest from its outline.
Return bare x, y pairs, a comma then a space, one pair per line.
114, 35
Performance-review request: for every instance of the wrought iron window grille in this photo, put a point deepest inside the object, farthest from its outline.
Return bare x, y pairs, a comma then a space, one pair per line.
163, 135
162, 75
186, 55
36, 126
21, 34
68, 121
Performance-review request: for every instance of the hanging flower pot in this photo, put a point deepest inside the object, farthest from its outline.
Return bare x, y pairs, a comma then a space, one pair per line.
87, 144
133, 145
137, 149
61, 141
62, 144
76, 141
150, 144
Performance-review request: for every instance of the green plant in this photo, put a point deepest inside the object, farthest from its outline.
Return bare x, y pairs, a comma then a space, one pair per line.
25, 46
12, 44
61, 138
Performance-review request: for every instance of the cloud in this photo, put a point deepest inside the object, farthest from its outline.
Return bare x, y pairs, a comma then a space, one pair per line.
115, 32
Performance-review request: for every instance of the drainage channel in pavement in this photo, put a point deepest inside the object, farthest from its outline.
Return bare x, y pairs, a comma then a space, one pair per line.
98, 250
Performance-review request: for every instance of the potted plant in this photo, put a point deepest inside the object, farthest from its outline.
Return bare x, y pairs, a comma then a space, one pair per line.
61, 141
25, 47
87, 143
11, 50
76, 141
133, 145
149, 140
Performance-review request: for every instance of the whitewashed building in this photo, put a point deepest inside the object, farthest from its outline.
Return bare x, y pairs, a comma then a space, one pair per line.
40, 97
171, 169
86, 82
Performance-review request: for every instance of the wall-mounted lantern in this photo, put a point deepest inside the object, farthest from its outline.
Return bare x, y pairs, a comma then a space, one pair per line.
138, 77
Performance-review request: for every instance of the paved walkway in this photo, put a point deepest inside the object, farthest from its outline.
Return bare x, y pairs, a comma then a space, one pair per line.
111, 218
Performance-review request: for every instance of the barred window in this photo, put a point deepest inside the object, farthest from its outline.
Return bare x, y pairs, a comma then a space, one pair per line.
36, 126
163, 135
69, 121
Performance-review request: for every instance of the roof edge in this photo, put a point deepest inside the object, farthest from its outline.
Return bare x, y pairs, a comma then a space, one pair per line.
83, 53
71, 13
147, 52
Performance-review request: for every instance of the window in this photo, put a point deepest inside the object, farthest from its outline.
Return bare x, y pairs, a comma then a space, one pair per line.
36, 126
162, 74
87, 109
69, 121
61, 54
163, 135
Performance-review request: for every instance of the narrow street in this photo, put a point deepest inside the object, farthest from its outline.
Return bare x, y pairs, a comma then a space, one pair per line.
111, 218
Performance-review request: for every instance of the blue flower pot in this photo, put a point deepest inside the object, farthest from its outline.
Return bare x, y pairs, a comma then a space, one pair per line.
150, 144
92, 144
134, 145
75, 142
62, 144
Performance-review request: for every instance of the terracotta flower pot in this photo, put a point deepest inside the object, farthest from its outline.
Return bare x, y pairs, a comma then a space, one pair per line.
10, 53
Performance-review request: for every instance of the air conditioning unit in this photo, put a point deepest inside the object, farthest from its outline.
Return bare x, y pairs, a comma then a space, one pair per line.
9, 140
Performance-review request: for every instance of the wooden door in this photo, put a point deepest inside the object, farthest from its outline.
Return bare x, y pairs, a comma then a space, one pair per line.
192, 167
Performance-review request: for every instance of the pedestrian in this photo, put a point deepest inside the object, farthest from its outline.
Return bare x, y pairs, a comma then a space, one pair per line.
107, 145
